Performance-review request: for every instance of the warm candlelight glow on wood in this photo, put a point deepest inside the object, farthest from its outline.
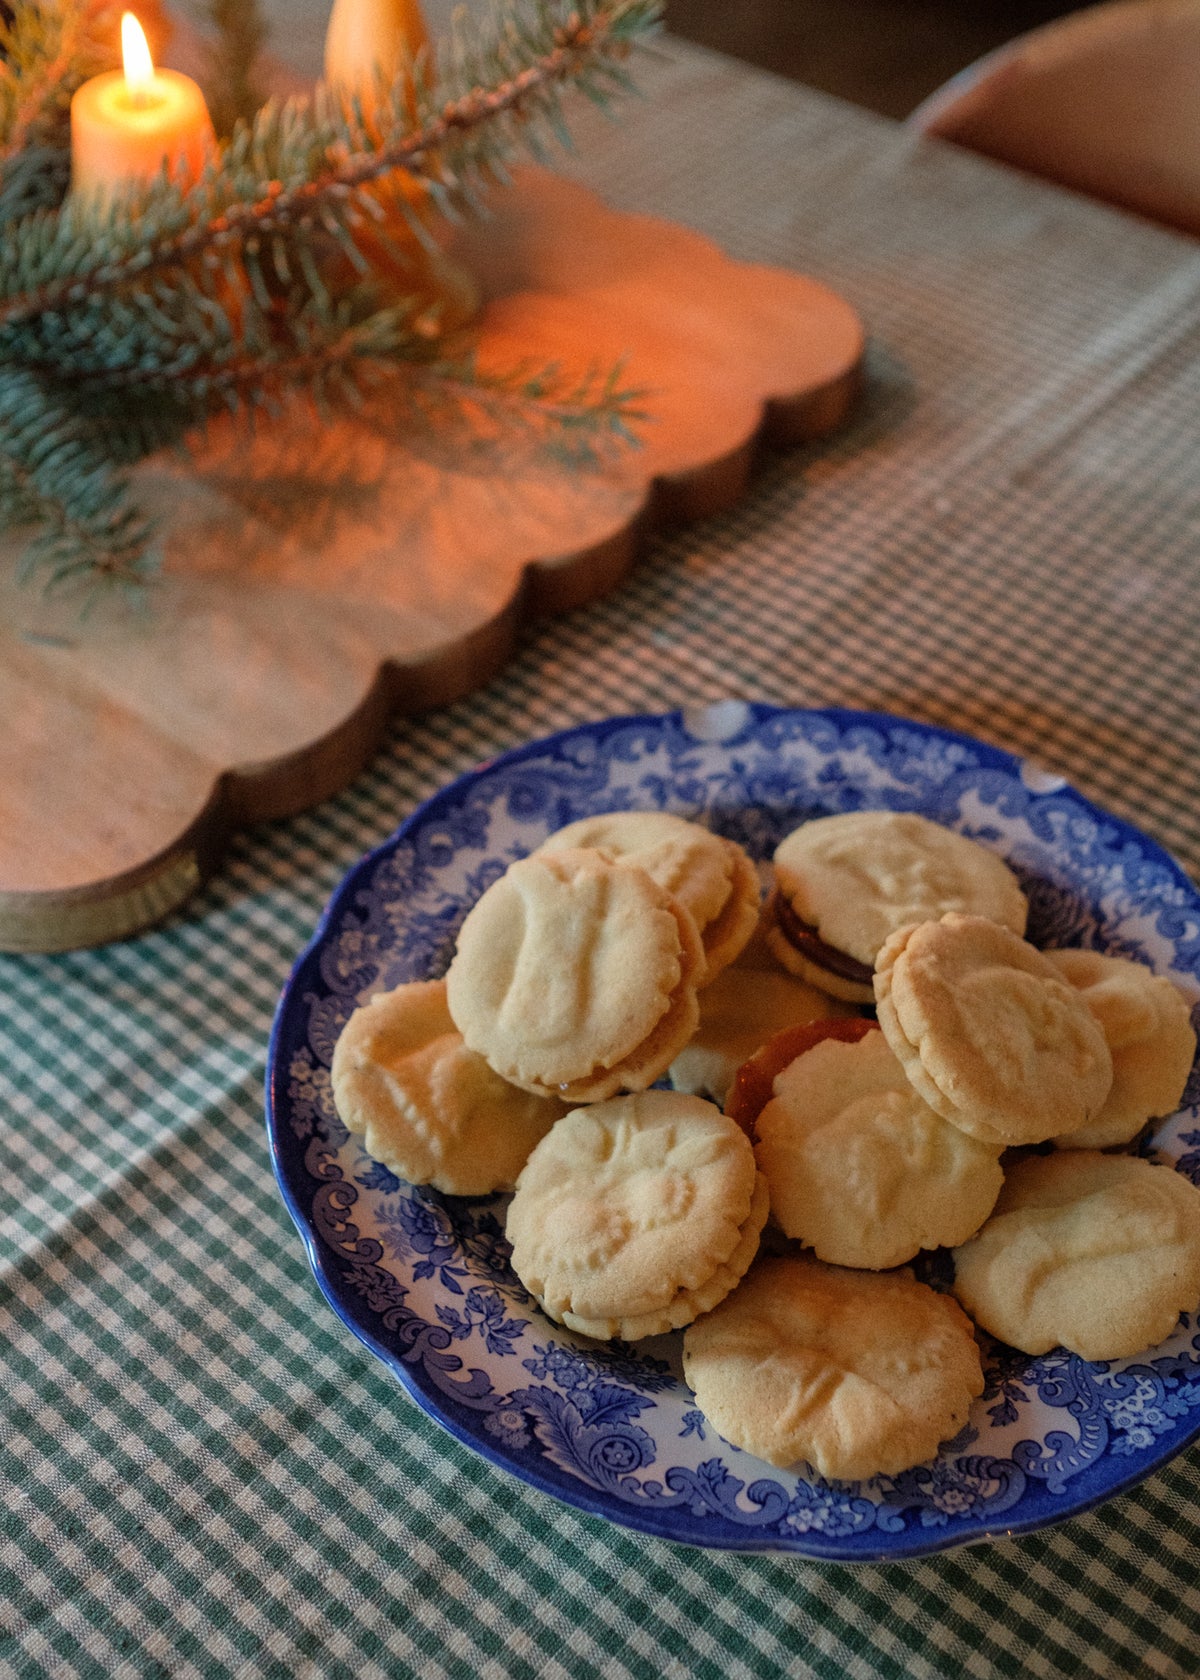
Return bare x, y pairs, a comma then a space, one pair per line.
127, 124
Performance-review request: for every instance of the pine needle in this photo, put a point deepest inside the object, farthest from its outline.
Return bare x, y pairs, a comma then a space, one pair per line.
120, 330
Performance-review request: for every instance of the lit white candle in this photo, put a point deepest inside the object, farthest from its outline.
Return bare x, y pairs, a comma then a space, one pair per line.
127, 123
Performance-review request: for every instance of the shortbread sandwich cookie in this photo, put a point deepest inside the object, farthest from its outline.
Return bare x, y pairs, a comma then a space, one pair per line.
739, 1012
843, 884
710, 876
861, 1170
575, 976
854, 1373
989, 1032
634, 1215
1147, 1026
1095, 1253
427, 1107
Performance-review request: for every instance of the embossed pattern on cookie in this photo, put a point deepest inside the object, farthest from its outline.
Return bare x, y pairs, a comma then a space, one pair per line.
427, 1106
576, 977
710, 876
635, 1214
855, 1373
861, 1169
989, 1032
1098, 1253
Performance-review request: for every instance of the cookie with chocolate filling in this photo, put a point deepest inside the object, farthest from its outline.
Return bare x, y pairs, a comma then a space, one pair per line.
843, 884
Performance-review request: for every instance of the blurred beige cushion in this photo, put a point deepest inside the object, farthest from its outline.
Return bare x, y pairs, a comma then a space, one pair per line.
1106, 100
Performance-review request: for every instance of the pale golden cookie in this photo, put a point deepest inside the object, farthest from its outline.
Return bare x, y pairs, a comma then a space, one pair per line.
845, 883
1096, 1253
710, 876
636, 1214
426, 1106
739, 1012
989, 1032
1147, 1025
861, 1169
855, 1373
576, 977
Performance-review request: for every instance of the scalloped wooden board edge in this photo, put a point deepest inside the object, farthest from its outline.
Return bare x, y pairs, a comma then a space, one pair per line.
319, 578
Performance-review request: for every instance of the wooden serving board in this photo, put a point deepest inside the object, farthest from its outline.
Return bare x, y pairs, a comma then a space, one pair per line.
320, 575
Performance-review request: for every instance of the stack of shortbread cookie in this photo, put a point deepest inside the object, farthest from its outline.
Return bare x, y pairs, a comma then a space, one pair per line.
631, 946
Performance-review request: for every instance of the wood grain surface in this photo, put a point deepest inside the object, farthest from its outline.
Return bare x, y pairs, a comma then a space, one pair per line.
320, 574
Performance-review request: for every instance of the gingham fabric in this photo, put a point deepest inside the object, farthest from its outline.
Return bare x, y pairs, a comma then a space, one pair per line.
203, 1473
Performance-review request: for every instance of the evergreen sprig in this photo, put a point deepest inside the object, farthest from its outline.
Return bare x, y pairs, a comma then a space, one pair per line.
46, 51
266, 274
301, 164
575, 415
56, 477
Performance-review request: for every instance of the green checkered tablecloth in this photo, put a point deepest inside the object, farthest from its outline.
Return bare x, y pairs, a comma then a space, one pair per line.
203, 1473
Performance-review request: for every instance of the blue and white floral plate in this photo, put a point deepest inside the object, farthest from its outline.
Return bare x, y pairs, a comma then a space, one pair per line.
423, 1278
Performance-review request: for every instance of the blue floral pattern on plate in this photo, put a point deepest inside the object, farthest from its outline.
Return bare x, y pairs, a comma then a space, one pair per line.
424, 1280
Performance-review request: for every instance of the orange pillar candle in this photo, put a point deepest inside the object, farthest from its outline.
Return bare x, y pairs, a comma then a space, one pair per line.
126, 124
367, 44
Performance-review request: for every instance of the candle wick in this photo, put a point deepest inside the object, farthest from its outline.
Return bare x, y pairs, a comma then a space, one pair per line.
141, 96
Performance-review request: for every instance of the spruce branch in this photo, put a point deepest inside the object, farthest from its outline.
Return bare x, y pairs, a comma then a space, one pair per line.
278, 272
249, 370
43, 48
580, 417
323, 144
55, 476
577, 416
46, 51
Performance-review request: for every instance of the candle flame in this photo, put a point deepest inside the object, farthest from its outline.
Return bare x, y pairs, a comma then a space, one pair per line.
139, 67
